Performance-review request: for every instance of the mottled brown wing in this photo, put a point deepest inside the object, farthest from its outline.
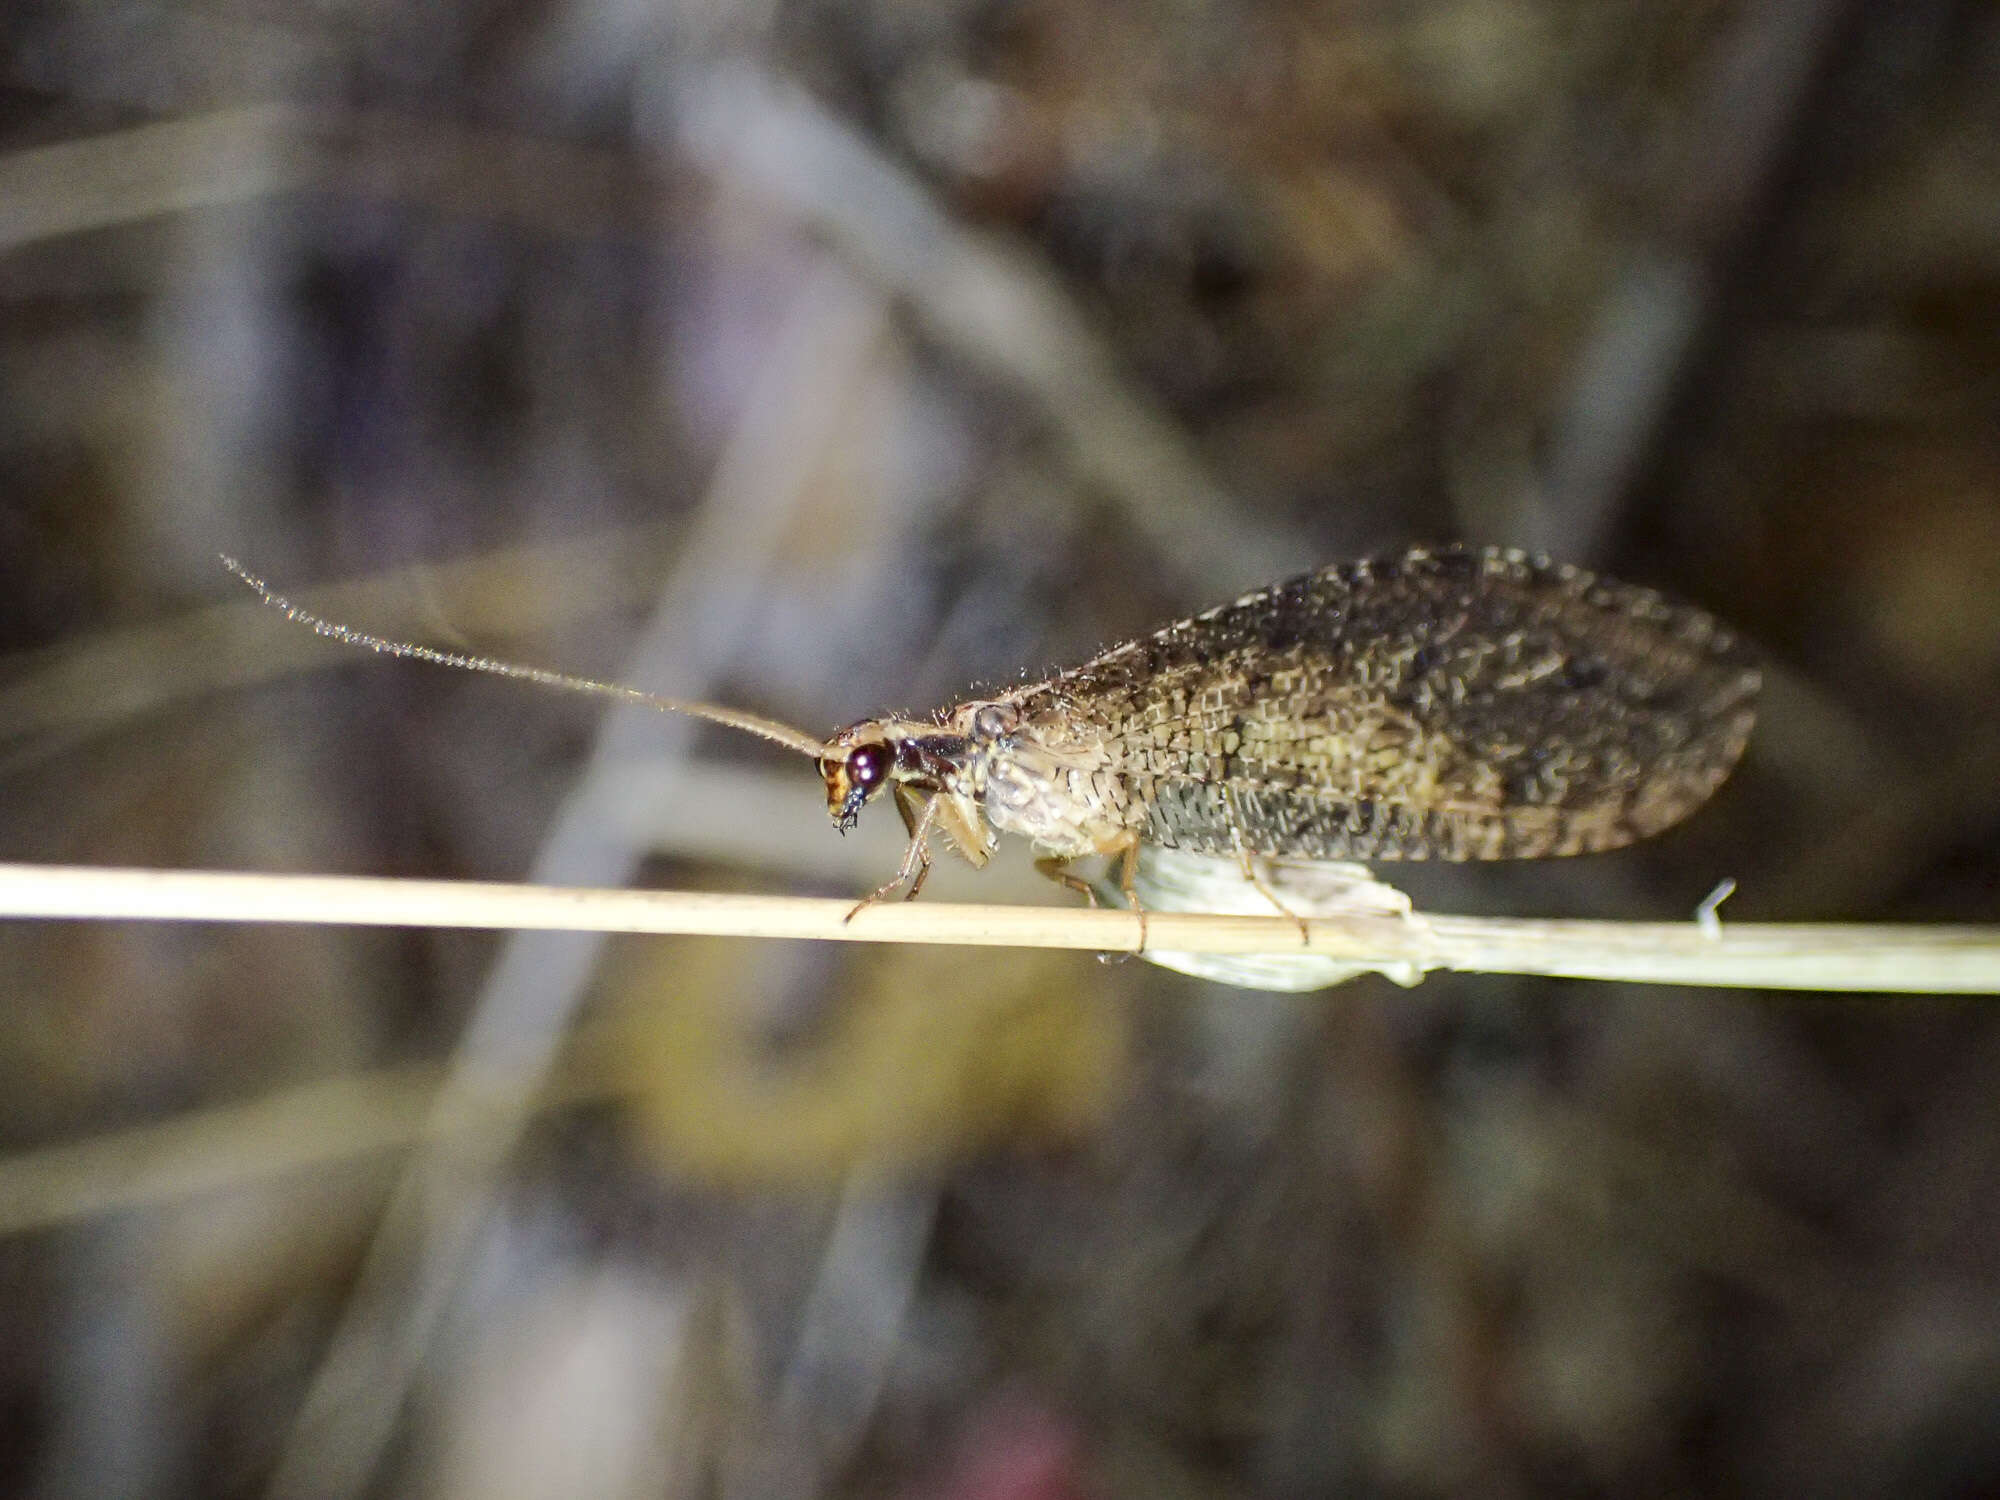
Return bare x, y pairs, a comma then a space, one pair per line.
1445, 704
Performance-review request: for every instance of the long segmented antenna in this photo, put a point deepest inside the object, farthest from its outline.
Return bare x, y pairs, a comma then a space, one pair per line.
730, 718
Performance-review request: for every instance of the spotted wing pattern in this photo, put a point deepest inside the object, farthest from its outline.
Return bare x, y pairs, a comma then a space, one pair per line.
1444, 704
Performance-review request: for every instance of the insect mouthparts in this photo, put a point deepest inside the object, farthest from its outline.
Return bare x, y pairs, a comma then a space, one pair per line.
850, 811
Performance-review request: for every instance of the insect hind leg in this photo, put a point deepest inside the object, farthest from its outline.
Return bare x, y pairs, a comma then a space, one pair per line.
1247, 862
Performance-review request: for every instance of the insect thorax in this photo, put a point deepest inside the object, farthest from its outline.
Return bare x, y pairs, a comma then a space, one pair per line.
1064, 798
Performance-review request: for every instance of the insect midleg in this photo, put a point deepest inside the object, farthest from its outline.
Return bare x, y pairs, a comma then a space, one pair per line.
1125, 849
1056, 867
1128, 872
1128, 882
1248, 865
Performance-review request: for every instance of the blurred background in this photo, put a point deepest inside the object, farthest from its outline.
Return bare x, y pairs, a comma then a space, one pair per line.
825, 360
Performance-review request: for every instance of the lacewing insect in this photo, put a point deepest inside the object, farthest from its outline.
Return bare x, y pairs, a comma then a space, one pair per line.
1447, 703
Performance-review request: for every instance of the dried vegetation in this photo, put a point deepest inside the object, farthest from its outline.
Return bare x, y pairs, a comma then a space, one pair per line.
823, 358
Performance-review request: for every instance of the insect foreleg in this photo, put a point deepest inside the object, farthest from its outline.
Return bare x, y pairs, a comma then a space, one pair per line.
916, 865
918, 816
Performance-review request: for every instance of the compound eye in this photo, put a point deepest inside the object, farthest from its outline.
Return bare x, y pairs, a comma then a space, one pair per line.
868, 766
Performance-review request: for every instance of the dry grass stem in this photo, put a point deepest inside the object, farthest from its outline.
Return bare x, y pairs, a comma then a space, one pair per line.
1915, 960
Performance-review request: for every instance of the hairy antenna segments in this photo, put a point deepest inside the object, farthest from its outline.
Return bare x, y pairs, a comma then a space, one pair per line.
731, 718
